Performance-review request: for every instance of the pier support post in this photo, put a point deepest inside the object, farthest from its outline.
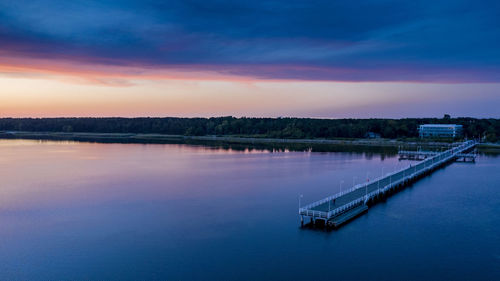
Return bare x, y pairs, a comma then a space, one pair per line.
429, 165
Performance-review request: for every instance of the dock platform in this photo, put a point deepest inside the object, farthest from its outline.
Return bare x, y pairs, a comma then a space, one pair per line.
341, 207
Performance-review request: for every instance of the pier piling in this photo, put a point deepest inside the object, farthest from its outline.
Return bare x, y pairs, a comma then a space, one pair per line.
348, 204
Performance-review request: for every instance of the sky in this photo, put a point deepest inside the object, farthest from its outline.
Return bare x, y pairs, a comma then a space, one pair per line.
321, 59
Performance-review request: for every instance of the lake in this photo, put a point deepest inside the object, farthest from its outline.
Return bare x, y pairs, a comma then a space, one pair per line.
90, 211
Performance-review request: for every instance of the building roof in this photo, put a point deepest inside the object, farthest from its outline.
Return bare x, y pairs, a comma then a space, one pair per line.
440, 125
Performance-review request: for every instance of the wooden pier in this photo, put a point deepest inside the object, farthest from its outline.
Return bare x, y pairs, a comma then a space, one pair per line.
344, 206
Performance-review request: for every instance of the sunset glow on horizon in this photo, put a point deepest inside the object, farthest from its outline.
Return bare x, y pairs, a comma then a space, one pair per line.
104, 58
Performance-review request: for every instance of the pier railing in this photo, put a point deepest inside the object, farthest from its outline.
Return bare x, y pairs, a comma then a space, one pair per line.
399, 176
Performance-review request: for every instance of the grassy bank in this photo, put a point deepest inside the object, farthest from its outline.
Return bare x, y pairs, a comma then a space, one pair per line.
235, 142
489, 148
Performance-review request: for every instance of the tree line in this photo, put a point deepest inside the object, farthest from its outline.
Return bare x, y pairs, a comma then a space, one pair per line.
255, 127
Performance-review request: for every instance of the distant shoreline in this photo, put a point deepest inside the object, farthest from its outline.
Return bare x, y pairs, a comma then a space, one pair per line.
376, 131
155, 138
161, 138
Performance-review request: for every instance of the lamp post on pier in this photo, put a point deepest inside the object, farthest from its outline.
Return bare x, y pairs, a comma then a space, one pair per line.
301, 216
366, 192
378, 183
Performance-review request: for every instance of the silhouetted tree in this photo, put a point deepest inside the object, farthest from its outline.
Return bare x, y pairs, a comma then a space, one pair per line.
256, 127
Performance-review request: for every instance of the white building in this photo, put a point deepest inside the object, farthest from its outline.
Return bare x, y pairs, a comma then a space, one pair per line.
440, 131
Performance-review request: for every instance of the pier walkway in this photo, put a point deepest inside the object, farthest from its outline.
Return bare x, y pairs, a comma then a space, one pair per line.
336, 209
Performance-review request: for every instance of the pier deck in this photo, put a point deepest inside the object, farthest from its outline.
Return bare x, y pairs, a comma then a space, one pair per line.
350, 200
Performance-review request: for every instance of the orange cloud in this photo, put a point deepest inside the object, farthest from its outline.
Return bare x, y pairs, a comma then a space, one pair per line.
110, 75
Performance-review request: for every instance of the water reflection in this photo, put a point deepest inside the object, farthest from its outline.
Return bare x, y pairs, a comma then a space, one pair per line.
96, 211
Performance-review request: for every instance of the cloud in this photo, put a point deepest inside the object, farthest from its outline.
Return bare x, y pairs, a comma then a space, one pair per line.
426, 41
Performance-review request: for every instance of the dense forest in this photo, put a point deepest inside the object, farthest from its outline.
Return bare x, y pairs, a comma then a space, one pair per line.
256, 127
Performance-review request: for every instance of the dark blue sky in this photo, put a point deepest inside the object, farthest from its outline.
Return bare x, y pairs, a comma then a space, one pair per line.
427, 41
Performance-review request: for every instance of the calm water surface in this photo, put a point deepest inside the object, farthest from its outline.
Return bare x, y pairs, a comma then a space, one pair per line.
86, 211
